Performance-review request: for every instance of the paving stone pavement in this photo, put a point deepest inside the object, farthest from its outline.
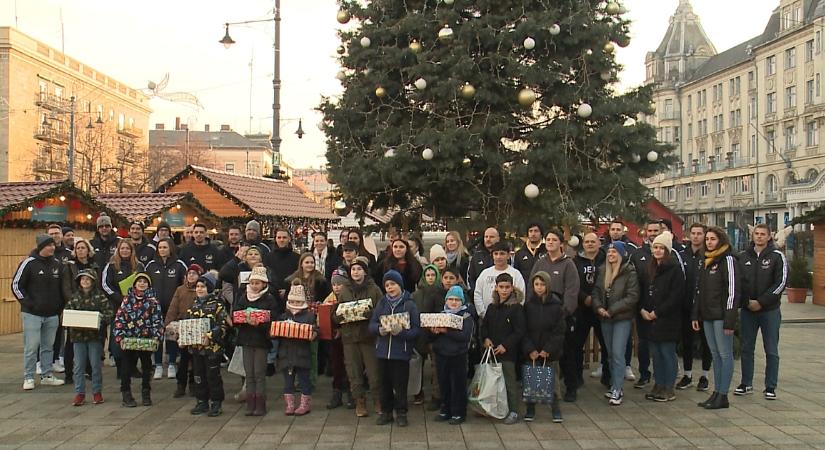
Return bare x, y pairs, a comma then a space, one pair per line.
44, 418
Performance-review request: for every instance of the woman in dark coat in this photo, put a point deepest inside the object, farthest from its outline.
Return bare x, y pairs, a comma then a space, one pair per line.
401, 260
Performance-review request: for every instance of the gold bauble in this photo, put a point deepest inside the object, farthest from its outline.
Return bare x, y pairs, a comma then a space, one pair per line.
612, 8
380, 92
526, 97
342, 17
341, 50
609, 47
415, 46
468, 91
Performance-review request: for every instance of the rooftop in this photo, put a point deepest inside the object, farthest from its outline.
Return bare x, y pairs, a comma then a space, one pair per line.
213, 139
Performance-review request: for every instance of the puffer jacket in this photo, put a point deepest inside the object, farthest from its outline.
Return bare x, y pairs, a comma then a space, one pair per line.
37, 284
718, 291
504, 324
296, 352
138, 317
210, 307
91, 301
400, 346
455, 342
664, 296
355, 332
763, 276
182, 300
621, 298
545, 324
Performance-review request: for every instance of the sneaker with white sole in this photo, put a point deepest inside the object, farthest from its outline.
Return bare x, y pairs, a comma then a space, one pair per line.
58, 367
511, 418
28, 384
37, 369
616, 398
685, 382
743, 390
171, 372
111, 361
158, 373
596, 373
628, 374
51, 381
770, 393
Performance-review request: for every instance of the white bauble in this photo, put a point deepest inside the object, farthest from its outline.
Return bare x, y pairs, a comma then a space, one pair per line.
340, 205
636, 158
389, 153
420, 84
448, 2
584, 111
529, 43
573, 242
445, 33
531, 191
652, 156
427, 154
341, 75
555, 29
365, 42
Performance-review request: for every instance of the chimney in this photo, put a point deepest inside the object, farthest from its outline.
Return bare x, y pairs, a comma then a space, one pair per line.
184, 126
206, 127
225, 128
159, 126
177, 123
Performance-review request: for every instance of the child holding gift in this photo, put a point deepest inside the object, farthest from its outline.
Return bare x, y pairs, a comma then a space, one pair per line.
450, 347
88, 344
182, 300
139, 316
394, 348
340, 384
207, 357
429, 298
253, 336
295, 355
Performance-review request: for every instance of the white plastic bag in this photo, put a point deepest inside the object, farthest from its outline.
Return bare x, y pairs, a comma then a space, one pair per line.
236, 363
487, 392
416, 364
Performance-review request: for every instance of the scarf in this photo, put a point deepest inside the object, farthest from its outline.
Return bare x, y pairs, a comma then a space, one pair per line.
456, 311
395, 301
452, 257
710, 256
251, 296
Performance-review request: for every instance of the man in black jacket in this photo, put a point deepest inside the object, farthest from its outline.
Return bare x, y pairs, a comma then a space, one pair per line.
482, 258
252, 236
144, 248
104, 242
531, 251
37, 286
765, 272
694, 257
616, 232
588, 262
282, 261
61, 253
200, 250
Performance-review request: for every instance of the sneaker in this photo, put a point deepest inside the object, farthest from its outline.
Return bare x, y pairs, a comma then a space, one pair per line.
743, 390
158, 373
770, 393
511, 419
442, 417
703, 384
97, 398
685, 382
597, 373
51, 381
557, 418
628, 374
37, 369
642, 383
456, 420
57, 367
418, 399
530, 414
616, 398
608, 394
172, 372
79, 400
111, 362
28, 384
570, 396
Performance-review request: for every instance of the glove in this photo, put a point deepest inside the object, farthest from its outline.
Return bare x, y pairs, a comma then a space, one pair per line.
383, 331
395, 328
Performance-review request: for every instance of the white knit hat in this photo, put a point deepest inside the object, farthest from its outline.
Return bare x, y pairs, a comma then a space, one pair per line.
665, 239
297, 298
437, 251
259, 273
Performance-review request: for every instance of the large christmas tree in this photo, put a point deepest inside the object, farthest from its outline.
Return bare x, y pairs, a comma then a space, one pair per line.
502, 110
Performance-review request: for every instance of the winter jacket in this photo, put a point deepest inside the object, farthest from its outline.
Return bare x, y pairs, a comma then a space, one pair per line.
486, 286
70, 271
92, 301
138, 317
564, 280
145, 251
400, 346
37, 284
503, 324
718, 291
104, 250
166, 276
212, 308
281, 262
428, 299
461, 263
356, 332
111, 280
544, 321
62, 254
455, 342
763, 276
207, 255
258, 335
296, 352
410, 274
622, 297
480, 260
693, 264
182, 300
664, 296
641, 259
526, 259
588, 269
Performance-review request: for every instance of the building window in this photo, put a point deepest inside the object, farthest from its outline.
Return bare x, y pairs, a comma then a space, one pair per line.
229, 167
736, 118
809, 92
790, 58
787, 18
811, 175
121, 121
746, 184
670, 194
703, 189
735, 86
720, 188
818, 42
809, 51
812, 133
753, 107
770, 136
690, 102
817, 85
688, 191
772, 185
690, 131
770, 65
790, 138
752, 146
735, 149
751, 80
790, 97
771, 103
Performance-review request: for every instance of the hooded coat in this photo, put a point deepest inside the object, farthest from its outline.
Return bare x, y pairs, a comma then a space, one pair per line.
504, 324
355, 332
664, 296
544, 322
400, 346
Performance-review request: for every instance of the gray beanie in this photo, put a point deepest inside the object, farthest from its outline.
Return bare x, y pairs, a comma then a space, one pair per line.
43, 240
103, 219
254, 225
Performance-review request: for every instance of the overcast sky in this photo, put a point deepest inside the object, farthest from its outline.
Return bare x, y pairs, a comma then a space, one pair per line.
135, 42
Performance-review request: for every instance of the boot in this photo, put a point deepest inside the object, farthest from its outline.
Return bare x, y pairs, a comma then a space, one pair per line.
653, 392
260, 405
720, 402
709, 400
180, 391
201, 407
251, 402
146, 397
215, 410
336, 400
305, 407
378, 409
350, 400
361, 407
128, 400
289, 399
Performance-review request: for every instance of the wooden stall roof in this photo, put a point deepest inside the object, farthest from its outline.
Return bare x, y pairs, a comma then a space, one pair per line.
18, 195
258, 196
147, 205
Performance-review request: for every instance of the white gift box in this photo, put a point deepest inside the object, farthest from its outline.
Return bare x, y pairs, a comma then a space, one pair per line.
192, 331
441, 320
73, 318
354, 311
403, 319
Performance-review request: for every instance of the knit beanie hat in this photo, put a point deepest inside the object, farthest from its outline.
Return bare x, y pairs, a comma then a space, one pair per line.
349, 246
665, 239
254, 225
43, 240
297, 299
339, 276
103, 219
619, 247
209, 280
196, 268
437, 251
393, 276
363, 262
164, 226
142, 275
456, 292
67, 230
259, 273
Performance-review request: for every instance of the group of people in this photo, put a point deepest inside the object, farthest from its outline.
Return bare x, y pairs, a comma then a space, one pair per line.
536, 305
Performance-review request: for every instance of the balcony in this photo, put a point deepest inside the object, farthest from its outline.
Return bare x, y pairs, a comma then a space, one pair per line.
48, 165
51, 135
51, 102
132, 132
670, 115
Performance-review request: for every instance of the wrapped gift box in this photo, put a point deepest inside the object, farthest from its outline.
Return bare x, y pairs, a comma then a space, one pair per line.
441, 320
291, 330
139, 344
355, 311
325, 321
171, 332
389, 320
192, 331
74, 318
240, 317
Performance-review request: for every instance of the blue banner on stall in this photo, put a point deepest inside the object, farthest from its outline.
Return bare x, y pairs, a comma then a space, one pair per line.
50, 214
174, 219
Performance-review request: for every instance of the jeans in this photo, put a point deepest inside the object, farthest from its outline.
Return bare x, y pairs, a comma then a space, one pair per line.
769, 322
171, 351
665, 366
304, 380
452, 379
721, 347
89, 352
38, 332
616, 333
